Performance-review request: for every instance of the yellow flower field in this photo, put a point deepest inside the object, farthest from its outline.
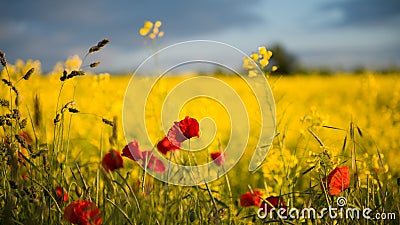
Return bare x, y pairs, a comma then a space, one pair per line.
323, 122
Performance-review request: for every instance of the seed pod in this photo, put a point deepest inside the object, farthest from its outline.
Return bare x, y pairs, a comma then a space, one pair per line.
28, 74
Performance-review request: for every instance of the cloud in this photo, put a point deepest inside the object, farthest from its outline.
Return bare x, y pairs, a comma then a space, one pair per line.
46, 30
364, 12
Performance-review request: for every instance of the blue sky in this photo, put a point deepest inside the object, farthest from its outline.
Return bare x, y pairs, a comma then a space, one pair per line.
337, 34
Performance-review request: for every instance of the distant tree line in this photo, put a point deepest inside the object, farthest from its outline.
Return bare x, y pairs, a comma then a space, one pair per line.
289, 64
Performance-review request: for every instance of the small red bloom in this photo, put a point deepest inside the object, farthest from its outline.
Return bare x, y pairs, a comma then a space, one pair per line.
112, 161
247, 199
218, 158
26, 136
131, 150
175, 135
164, 146
338, 180
61, 194
277, 202
83, 212
189, 127
152, 162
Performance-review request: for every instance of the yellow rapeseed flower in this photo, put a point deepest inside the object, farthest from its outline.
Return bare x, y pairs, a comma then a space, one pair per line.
155, 30
248, 63
157, 24
151, 30
274, 68
262, 50
254, 56
152, 35
269, 54
144, 31
264, 62
148, 24
252, 73
146, 28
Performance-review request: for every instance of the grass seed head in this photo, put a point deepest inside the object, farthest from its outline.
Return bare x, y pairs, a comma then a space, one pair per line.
57, 119
2, 58
94, 64
99, 45
23, 123
37, 115
103, 42
4, 102
108, 122
5, 81
94, 49
28, 74
64, 76
73, 110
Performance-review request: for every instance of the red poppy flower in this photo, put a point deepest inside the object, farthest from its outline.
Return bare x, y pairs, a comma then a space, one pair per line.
277, 202
164, 146
152, 162
218, 158
83, 212
189, 127
26, 136
131, 150
248, 199
338, 180
112, 161
175, 135
61, 194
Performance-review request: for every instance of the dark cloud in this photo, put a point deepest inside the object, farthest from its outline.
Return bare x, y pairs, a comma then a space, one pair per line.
365, 12
48, 30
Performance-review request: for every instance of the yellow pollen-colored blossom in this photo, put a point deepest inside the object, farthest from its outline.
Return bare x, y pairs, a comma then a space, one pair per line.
155, 30
264, 62
254, 56
148, 24
144, 31
157, 24
152, 35
262, 50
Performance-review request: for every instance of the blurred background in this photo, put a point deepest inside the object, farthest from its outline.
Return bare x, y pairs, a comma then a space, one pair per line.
313, 35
